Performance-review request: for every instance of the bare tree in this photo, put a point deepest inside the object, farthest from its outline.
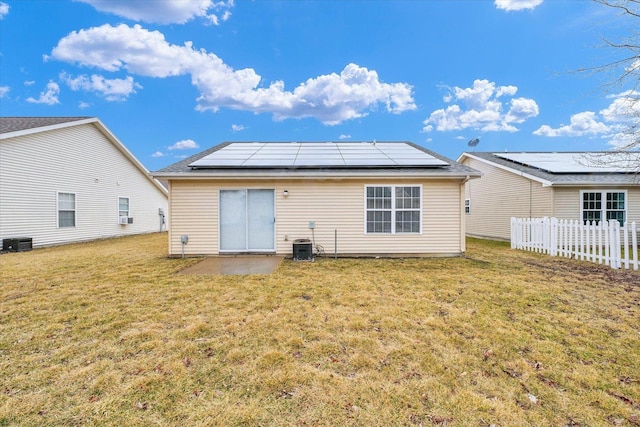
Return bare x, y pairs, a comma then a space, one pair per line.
624, 76
623, 82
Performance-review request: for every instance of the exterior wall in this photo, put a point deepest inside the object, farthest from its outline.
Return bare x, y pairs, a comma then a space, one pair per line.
332, 204
500, 195
567, 201
76, 159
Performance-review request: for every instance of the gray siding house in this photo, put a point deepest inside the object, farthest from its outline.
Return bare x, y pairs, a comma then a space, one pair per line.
69, 179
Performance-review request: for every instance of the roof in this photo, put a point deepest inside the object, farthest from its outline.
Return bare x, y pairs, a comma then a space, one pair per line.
574, 168
11, 127
16, 124
316, 159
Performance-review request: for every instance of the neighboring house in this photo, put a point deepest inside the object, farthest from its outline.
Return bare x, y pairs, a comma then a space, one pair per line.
567, 185
69, 179
372, 198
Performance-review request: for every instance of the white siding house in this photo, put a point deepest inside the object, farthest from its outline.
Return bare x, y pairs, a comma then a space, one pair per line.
69, 179
342, 197
578, 186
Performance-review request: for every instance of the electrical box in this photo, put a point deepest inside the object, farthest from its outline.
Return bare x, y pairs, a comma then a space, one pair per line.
312, 224
184, 239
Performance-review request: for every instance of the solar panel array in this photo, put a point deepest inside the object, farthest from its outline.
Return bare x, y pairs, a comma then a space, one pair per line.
317, 154
577, 162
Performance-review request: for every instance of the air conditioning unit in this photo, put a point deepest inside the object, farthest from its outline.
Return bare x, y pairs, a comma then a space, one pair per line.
123, 220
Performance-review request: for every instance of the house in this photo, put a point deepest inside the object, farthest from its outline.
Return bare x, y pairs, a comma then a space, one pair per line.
347, 198
69, 179
583, 186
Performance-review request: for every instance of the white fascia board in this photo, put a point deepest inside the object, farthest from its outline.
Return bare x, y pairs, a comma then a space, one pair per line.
48, 128
544, 182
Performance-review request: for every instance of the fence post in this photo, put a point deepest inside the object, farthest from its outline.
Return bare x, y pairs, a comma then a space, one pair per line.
634, 244
553, 236
614, 236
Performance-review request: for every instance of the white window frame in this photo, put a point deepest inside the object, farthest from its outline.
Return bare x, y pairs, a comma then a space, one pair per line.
74, 210
393, 209
467, 206
603, 203
128, 206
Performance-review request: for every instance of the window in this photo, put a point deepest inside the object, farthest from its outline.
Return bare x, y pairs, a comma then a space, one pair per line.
123, 206
467, 206
66, 210
393, 209
599, 205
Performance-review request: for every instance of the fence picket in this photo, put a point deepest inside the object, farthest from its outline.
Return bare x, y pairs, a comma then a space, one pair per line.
603, 242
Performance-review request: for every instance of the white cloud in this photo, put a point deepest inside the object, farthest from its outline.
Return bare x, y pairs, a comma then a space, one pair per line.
612, 123
166, 11
82, 105
510, 5
581, 124
48, 96
185, 144
158, 154
110, 89
29, 82
237, 128
3, 91
624, 108
343, 136
482, 109
331, 98
4, 9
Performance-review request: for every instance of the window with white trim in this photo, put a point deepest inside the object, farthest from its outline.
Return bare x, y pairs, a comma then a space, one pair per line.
393, 209
66, 210
123, 206
467, 206
607, 205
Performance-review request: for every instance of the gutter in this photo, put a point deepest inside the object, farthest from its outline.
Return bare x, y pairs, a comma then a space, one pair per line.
324, 174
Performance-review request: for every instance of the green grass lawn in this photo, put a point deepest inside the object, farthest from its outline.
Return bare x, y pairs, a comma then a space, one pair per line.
107, 334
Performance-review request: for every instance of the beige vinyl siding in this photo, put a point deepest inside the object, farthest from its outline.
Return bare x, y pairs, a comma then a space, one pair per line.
76, 159
567, 201
500, 195
334, 205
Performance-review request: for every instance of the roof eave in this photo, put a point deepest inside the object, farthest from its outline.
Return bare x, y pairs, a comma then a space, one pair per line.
544, 182
39, 129
331, 174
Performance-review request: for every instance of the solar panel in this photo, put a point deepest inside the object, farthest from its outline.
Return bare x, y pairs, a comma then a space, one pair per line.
318, 154
577, 162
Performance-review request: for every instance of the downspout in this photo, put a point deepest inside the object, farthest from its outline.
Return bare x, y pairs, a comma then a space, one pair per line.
463, 218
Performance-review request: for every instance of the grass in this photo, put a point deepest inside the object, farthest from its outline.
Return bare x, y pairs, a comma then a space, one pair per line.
106, 333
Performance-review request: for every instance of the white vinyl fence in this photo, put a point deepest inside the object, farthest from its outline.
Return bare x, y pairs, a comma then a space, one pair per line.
603, 242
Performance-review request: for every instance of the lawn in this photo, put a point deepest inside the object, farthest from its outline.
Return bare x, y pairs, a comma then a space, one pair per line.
108, 334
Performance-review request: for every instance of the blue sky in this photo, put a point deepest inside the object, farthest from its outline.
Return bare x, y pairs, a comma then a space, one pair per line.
171, 78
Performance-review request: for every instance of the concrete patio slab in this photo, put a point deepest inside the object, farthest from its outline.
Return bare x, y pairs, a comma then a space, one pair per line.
236, 265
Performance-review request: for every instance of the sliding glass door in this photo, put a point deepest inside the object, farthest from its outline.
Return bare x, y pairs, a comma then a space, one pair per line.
247, 220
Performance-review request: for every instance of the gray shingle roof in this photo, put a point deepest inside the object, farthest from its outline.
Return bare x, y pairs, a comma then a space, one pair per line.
182, 168
565, 179
14, 124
